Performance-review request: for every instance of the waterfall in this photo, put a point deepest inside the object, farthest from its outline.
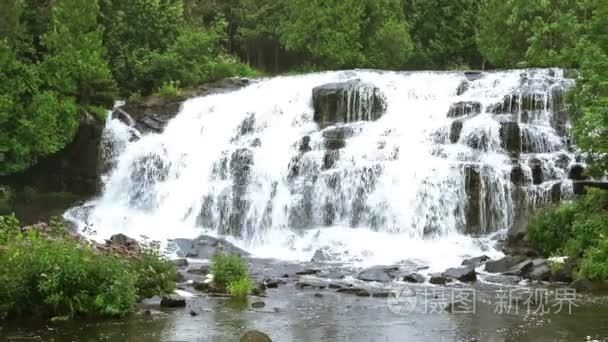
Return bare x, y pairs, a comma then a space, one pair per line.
409, 165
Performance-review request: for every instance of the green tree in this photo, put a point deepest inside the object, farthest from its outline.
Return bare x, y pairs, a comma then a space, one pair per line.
75, 63
443, 32
329, 31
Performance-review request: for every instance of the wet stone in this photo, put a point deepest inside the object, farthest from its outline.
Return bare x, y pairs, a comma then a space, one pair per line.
503, 264
464, 274
380, 274
475, 262
173, 301
414, 278
438, 279
464, 108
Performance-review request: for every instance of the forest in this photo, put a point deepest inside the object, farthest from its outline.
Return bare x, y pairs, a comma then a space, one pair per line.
61, 59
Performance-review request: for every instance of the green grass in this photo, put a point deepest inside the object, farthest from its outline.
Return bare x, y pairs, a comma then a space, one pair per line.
231, 274
240, 288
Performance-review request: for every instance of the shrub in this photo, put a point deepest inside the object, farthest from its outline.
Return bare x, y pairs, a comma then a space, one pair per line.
155, 274
169, 90
240, 288
46, 270
227, 269
577, 229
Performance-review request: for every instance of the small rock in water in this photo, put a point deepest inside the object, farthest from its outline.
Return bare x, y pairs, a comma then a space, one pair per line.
381, 274
475, 262
464, 274
438, 279
173, 301
320, 256
193, 313
255, 336
309, 271
503, 265
318, 295
258, 305
181, 262
521, 269
414, 278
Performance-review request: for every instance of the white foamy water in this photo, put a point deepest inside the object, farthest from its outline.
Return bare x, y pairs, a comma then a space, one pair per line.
230, 164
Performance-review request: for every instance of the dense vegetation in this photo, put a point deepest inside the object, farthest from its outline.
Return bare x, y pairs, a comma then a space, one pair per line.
61, 59
44, 270
231, 275
579, 230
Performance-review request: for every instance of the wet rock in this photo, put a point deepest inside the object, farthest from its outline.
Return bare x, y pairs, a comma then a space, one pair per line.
173, 301
577, 172
586, 285
562, 272
438, 279
311, 284
305, 145
202, 270
503, 279
320, 256
510, 137
193, 313
521, 249
121, 240
464, 108
541, 272
380, 274
318, 295
258, 305
521, 269
255, 336
335, 137
472, 210
273, 283
503, 264
455, 130
247, 126
380, 294
462, 88
518, 176
152, 301
463, 274
330, 158
475, 262
357, 291
347, 102
473, 75
537, 170
414, 278
308, 271
180, 263
204, 247
179, 277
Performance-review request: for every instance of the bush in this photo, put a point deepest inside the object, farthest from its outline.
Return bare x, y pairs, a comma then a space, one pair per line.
155, 274
227, 269
45, 270
169, 90
240, 288
577, 229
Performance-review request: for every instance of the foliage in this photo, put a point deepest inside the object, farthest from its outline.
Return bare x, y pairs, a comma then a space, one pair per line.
594, 265
45, 270
227, 269
155, 274
577, 229
240, 288
169, 90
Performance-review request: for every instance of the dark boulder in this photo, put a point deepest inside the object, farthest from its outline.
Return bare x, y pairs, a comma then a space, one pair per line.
455, 130
305, 144
518, 176
202, 270
540, 272
439, 279
335, 137
255, 336
464, 108
173, 301
473, 75
510, 137
380, 274
520, 269
475, 262
330, 158
577, 172
562, 272
205, 247
472, 210
462, 88
320, 256
464, 274
122, 240
503, 279
503, 264
414, 278
537, 170
180, 263
357, 291
347, 102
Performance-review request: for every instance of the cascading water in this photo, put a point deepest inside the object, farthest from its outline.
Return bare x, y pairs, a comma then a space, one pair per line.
421, 165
